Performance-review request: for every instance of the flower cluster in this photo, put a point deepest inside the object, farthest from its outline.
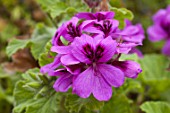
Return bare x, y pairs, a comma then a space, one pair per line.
89, 46
161, 29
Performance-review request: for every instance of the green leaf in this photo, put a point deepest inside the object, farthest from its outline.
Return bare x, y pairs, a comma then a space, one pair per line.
46, 57
154, 68
155, 107
34, 94
155, 75
118, 104
133, 57
59, 7
131, 85
40, 37
15, 45
74, 103
44, 105
121, 14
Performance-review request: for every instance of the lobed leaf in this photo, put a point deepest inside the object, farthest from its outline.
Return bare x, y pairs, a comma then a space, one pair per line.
155, 107
121, 14
75, 104
15, 45
34, 94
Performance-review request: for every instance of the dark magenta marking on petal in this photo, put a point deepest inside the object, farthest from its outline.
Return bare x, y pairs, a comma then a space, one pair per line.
106, 27
99, 52
89, 51
73, 31
93, 55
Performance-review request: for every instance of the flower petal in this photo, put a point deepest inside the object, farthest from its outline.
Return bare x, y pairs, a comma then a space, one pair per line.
60, 31
78, 50
102, 91
131, 69
85, 15
114, 76
159, 16
104, 15
52, 66
156, 33
109, 46
69, 60
166, 48
83, 84
74, 69
61, 49
63, 83
58, 72
136, 51
125, 47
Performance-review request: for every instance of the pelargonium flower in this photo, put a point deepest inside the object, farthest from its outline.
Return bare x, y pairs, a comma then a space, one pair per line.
106, 27
69, 30
130, 37
89, 62
99, 76
96, 16
161, 29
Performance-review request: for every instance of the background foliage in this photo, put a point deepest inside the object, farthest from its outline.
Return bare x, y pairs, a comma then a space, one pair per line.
26, 27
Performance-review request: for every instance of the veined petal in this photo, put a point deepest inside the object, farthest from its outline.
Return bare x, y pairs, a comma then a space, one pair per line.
85, 15
108, 15
131, 69
114, 76
78, 51
92, 29
61, 49
102, 91
74, 69
83, 84
104, 15
63, 83
124, 50
109, 46
130, 30
125, 47
52, 66
69, 60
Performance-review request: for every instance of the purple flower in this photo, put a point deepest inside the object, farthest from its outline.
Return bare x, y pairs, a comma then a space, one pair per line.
130, 37
50, 68
95, 16
98, 77
69, 30
106, 27
161, 29
89, 62
64, 82
131, 69
133, 33
137, 52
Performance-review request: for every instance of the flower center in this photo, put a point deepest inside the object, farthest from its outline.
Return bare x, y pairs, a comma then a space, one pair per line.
106, 27
93, 55
73, 31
